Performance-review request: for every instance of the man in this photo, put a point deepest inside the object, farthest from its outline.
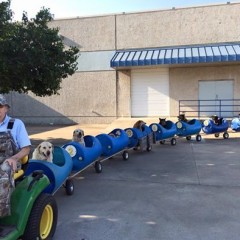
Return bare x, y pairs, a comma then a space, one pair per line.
18, 132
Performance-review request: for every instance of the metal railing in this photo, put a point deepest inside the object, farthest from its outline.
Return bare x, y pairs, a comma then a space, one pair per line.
205, 108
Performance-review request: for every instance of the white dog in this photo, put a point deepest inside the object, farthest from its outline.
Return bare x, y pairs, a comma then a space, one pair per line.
78, 136
44, 151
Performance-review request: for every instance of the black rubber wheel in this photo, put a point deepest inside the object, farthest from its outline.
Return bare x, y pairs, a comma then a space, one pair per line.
43, 218
188, 138
125, 155
149, 148
98, 167
69, 185
225, 135
162, 142
173, 141
216, 135
198, 138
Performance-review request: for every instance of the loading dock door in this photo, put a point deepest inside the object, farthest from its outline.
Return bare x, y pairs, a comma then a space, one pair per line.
216, 90
150, 92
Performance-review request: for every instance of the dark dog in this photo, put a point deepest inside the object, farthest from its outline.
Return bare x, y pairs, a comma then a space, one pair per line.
78, 136
182, 117
217, 120
162, 122
139, 125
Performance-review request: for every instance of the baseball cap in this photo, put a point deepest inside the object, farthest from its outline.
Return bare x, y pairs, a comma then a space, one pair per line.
3, 101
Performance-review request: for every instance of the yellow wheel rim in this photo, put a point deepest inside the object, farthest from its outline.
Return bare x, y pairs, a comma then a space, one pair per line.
46, 222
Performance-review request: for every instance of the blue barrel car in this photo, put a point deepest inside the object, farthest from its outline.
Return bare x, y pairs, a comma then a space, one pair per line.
235, 124
57, 172
189, 128
84, 156
114, 143
163, 131
140, 138
216, 125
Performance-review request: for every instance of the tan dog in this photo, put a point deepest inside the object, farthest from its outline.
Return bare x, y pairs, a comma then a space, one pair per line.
44, 151
139, 125
78, 136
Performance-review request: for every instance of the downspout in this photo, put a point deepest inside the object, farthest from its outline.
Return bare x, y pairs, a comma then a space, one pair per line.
116, 71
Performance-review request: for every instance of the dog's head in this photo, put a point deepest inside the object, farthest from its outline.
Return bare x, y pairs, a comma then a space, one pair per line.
182, 117
45, 149
78, 135
139, 124
162, 121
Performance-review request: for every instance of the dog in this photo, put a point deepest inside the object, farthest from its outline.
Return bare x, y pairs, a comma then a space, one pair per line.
78, 136
139, 125
217, 120
162, 122
44, 151
182, 117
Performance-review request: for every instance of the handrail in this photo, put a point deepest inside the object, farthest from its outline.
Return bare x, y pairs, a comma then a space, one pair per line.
206, 107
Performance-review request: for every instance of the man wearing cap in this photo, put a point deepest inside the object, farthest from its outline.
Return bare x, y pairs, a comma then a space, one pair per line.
18, 132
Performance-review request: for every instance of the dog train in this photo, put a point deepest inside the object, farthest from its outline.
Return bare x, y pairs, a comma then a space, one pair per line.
85, 151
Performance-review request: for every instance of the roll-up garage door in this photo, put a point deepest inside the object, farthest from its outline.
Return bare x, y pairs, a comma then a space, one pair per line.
150, 92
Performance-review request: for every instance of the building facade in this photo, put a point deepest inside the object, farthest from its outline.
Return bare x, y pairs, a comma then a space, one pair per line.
142, 64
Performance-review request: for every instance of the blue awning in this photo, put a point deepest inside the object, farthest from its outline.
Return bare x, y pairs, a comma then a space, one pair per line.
177, 55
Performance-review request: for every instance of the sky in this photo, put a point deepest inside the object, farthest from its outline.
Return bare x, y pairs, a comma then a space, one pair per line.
82, 8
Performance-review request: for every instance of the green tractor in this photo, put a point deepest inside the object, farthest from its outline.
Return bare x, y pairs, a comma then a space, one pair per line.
34, 211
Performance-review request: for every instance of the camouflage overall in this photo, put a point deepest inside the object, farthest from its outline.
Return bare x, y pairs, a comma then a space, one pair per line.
7, 149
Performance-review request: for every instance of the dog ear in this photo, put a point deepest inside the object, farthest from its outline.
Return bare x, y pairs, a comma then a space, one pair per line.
38, 147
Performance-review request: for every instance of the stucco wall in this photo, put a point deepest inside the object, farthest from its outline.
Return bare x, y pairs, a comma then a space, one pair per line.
184, 82
196, 25
91, 33
84, 98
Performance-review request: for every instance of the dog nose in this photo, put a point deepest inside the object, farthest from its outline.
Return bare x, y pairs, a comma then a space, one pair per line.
48, 153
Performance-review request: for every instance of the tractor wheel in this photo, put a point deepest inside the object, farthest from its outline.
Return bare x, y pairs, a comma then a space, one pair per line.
42, 221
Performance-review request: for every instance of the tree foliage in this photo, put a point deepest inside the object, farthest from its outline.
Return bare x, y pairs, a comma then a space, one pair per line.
32, 55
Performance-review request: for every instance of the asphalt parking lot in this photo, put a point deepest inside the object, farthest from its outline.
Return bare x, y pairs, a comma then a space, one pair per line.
187, 191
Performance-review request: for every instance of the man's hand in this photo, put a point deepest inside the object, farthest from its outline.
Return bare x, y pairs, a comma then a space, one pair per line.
12, 163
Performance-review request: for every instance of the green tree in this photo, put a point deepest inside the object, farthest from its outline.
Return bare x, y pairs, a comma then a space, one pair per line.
33, 56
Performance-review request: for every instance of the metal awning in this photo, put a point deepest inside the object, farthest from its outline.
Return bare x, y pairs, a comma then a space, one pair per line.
177, 55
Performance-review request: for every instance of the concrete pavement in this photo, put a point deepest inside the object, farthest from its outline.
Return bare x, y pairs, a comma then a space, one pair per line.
184, 192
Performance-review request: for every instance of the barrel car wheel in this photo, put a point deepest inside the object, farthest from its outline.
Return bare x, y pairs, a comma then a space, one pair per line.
42, 221
198, 138
98, 167
225, 135
173, 141
69, 187
216, 135
188, 138
125, 155
149, 148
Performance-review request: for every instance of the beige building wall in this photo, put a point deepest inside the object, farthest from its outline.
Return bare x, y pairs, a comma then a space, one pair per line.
84, 98
91, 33
184, 82
183, 26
